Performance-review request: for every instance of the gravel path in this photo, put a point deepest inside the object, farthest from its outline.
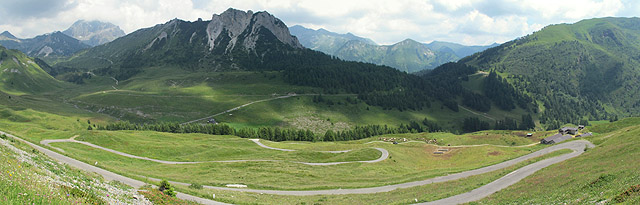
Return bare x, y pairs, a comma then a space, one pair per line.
109, 176
383, 156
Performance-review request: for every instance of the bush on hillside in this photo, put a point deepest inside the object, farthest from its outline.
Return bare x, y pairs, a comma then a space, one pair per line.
195, 186
166, 188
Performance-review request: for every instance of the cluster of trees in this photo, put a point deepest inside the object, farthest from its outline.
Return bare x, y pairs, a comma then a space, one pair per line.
280, 134
213, 129
503, 94
507, 123
375, 85
473, 124
329, 101
476, 101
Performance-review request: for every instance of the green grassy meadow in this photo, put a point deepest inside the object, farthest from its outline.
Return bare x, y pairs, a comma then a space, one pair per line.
407, 161
203, 147
424, 193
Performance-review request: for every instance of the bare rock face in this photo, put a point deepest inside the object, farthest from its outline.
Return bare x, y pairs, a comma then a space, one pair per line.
94, 33
233, 23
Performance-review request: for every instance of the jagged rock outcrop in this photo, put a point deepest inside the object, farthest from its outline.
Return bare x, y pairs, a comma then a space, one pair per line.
234, 23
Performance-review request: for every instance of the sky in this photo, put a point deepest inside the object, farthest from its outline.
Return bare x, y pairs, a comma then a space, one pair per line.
468, 22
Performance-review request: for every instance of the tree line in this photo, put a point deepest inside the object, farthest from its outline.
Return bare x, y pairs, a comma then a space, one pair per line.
279, 134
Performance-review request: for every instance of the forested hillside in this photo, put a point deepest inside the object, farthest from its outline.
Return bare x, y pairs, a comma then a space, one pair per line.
575, 72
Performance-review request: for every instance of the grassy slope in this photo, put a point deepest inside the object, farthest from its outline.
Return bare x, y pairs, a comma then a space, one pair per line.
598, 175
31, 177
203, 147
20, 75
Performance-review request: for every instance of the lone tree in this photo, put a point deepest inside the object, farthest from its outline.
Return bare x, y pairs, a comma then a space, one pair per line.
166, 188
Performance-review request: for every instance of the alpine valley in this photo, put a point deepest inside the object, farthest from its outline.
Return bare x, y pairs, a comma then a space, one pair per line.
242, 109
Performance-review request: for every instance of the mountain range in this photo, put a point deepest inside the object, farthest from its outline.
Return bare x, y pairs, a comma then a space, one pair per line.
510, 77
52, 44
81, 35
407, 55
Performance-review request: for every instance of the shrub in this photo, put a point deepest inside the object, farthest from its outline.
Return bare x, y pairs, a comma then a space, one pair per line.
90, 198
3, 136
166, 188
633, 190
195, 186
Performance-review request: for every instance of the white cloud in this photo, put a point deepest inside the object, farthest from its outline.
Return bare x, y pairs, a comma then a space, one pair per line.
384, 21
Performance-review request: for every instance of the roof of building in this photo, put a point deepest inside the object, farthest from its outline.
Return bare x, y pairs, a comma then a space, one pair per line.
568, 128
585, 135
552, 138
563, 138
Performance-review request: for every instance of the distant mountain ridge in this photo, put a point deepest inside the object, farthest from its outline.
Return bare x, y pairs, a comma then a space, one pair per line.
458, 49
94, 33
52, 44
323, 40
408, 55
7, 36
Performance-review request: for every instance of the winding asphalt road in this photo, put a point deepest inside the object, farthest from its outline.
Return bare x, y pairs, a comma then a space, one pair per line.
383, 156
576, 146
109, 176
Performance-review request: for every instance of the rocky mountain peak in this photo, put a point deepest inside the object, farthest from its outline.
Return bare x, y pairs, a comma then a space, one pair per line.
8, 36
94, 32
232, 23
